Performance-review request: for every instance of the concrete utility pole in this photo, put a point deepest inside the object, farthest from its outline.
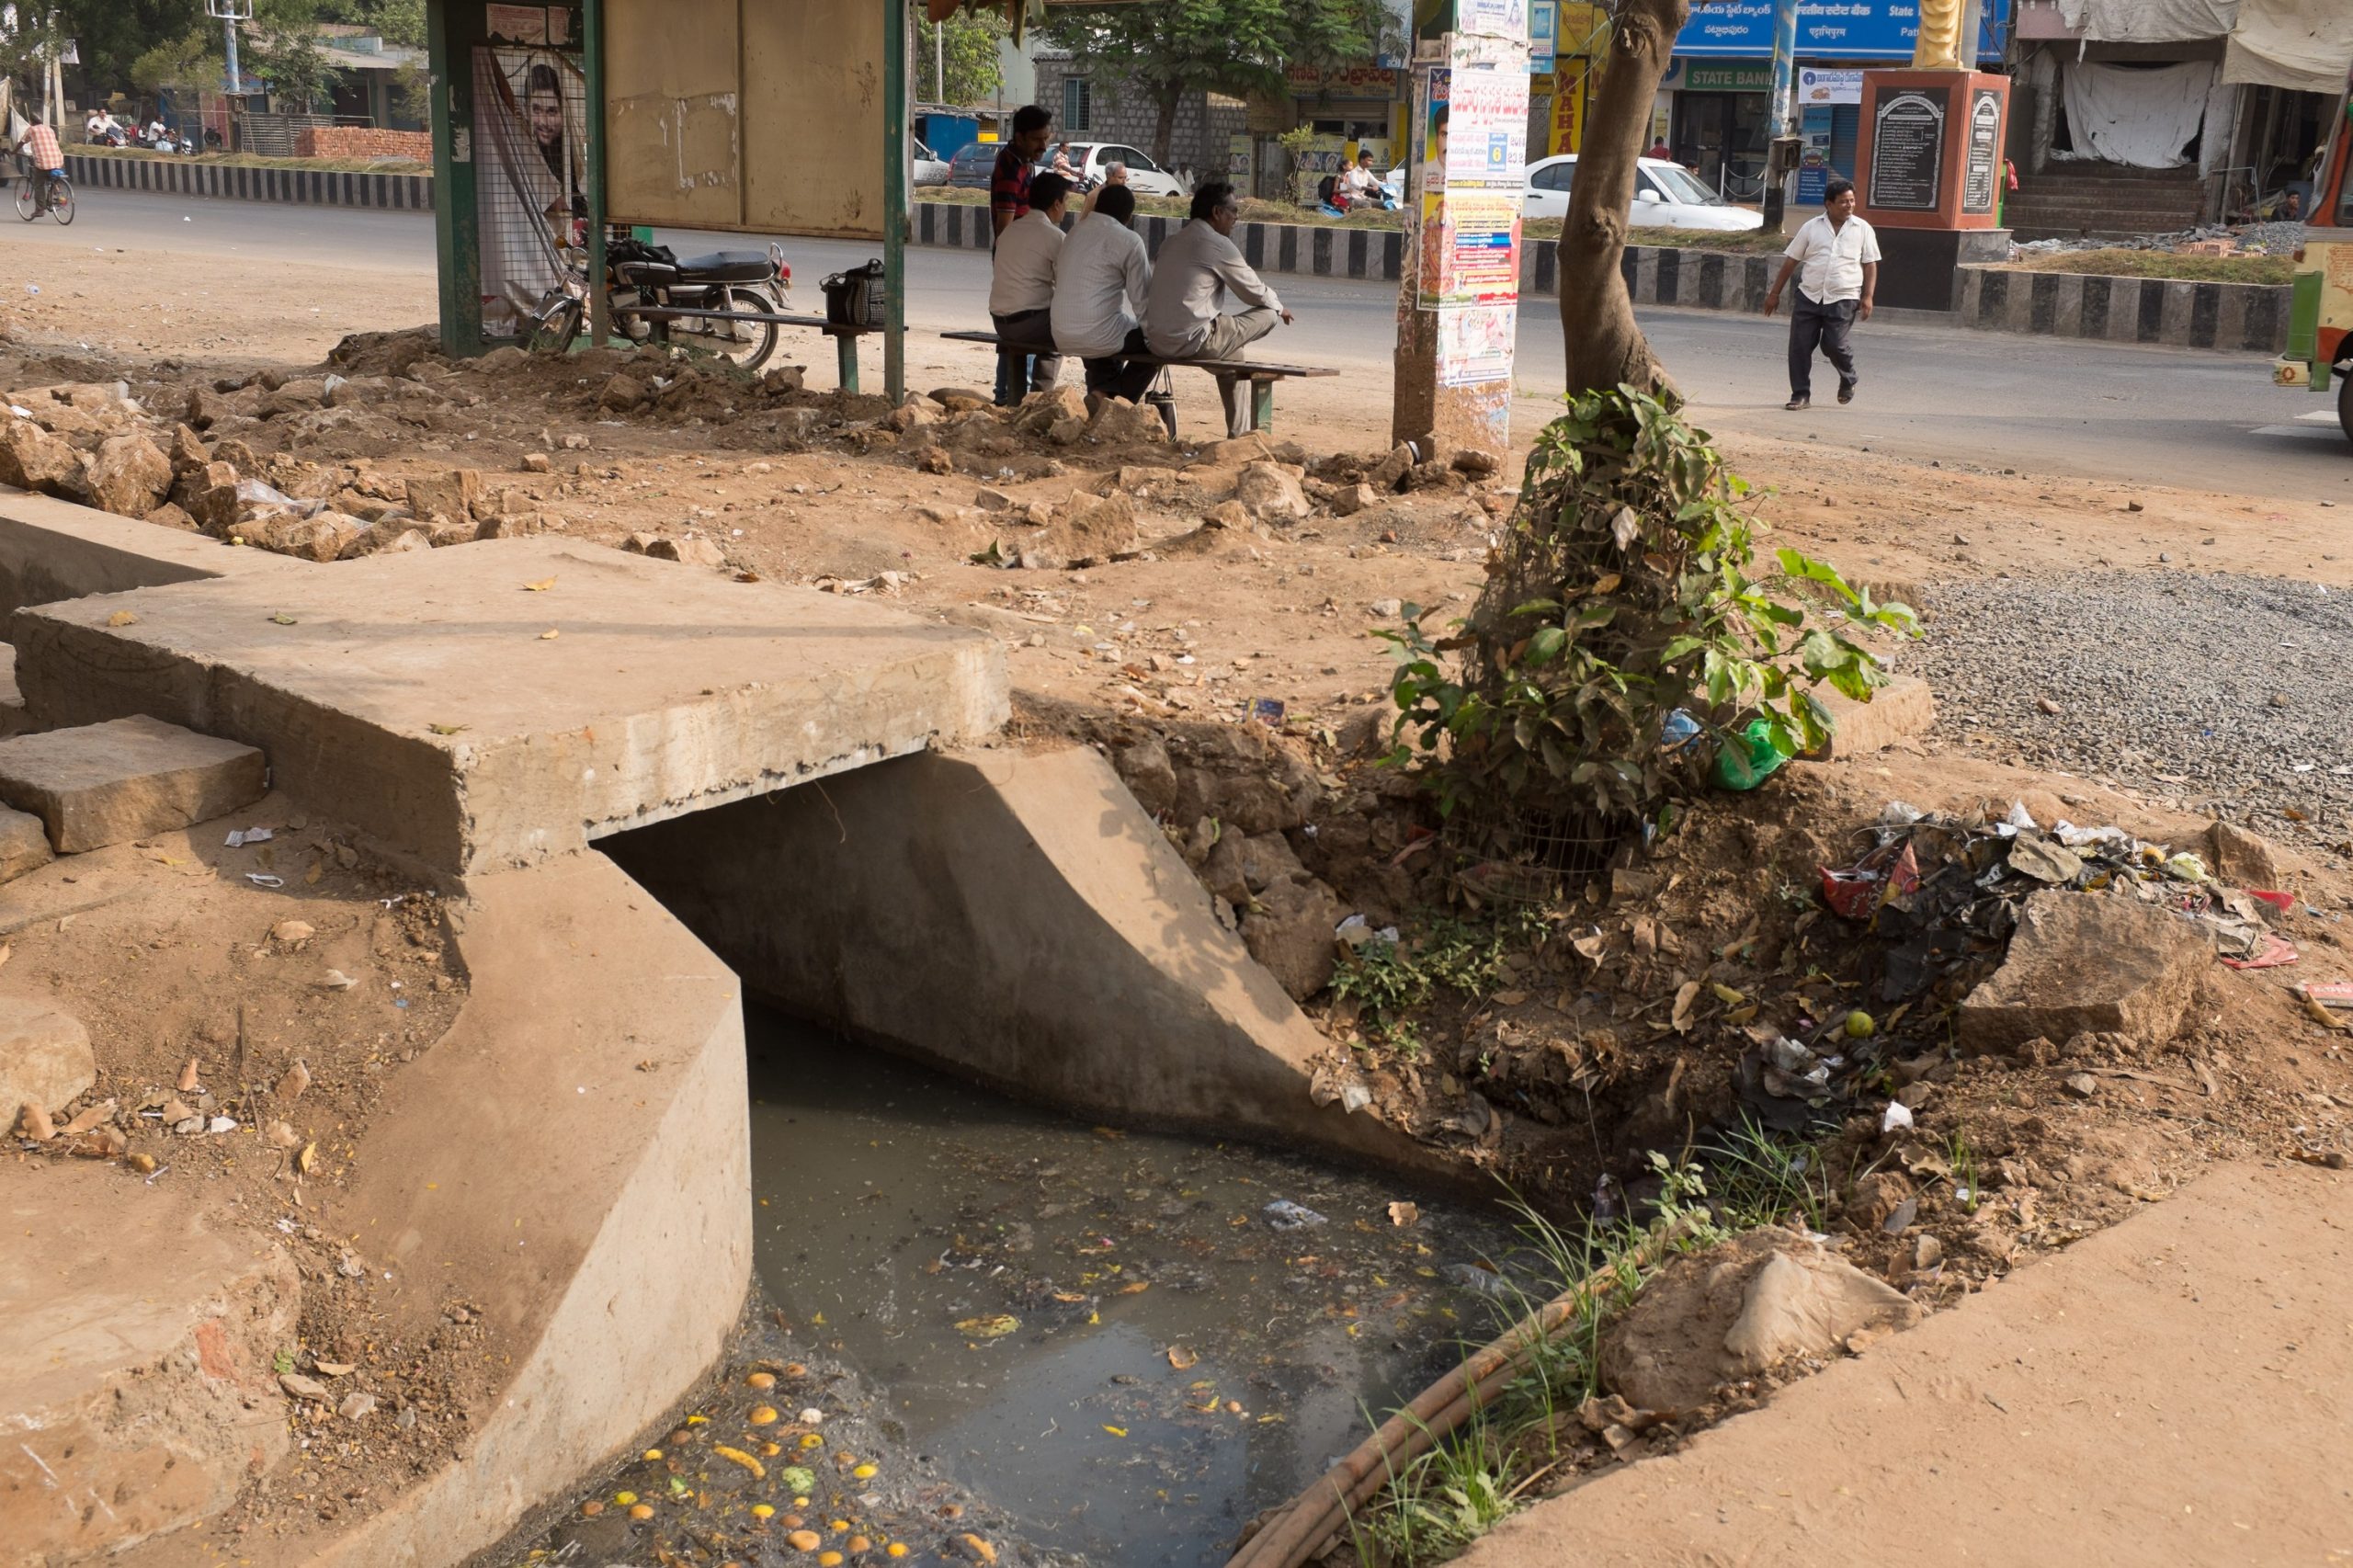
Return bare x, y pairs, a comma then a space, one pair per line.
1781, 155
229, 51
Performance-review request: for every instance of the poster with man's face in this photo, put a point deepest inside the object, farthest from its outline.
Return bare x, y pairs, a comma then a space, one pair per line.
530, 147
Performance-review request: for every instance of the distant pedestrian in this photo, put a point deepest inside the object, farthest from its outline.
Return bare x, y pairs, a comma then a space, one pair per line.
1659, 150
1008, 200
1835, 259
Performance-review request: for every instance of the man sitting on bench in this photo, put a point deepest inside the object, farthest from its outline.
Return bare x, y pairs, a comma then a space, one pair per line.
1194, 272
1021, 291
1101, 275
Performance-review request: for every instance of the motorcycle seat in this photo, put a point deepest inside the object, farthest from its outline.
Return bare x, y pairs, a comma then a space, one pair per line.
728, 267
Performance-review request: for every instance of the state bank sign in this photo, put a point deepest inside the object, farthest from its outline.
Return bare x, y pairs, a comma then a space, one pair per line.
1827, 30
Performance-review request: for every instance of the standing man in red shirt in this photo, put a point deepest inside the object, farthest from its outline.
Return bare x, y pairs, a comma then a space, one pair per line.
1008, 200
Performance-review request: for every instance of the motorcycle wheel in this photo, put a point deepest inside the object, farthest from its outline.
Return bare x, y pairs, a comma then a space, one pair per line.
748, 344
60, 202
28, 200
554, 327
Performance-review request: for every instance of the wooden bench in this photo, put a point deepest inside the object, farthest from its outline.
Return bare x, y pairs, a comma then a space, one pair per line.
1261, 376
845, 337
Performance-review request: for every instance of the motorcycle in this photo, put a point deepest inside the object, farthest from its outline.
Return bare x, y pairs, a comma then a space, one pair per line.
716, 295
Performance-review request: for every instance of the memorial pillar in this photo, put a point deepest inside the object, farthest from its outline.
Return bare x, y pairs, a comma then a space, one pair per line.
1928, 164
1458, 296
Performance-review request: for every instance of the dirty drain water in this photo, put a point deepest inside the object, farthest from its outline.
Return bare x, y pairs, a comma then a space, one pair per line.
1086, 1346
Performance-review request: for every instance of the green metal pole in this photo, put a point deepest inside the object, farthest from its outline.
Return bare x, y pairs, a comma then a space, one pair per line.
894, 199
592, 48
451, 248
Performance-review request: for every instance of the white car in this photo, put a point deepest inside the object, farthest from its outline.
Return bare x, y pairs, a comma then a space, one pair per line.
928, 167
1144, 177
1666, 196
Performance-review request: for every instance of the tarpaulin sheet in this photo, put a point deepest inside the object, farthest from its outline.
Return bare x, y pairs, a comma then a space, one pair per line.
2151, 21
2306, 45
2140, 115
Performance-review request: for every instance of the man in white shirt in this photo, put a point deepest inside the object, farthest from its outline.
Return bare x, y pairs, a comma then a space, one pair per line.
1835, 259
1101, 282
1021, 291
1363, 186
1196, 268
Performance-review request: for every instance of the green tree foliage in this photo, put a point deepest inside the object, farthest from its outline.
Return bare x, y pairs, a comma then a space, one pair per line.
193, 61
397, 21
281, 47
1164, 49
968, 42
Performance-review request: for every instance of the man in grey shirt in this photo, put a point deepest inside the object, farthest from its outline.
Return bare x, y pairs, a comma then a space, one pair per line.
1101, 280
1194, 272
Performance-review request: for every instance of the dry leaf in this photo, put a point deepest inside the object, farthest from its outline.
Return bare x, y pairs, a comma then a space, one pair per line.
189, 1080
283, 1135
122, 618
445, 729
311, 878
1182, 1358
282, 619
550, 634
336, 1369
1684, 997
307, 1159
295, 1080
542, 587
88, 1118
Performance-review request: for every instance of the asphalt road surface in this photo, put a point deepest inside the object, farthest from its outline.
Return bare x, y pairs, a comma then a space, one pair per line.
2201, 420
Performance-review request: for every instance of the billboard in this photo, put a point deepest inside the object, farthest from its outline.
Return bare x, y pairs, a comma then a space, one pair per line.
1827, 30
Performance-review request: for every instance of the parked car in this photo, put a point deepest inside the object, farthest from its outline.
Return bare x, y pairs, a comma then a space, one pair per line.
929, 168
1144, 177
971, 168
1666, 196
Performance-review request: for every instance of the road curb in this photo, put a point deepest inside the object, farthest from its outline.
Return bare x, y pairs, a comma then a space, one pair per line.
316, 187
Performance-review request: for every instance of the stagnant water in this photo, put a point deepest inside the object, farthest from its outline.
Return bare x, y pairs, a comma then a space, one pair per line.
1082, 1345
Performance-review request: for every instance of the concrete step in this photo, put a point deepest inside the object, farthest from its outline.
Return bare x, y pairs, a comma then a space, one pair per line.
101, 784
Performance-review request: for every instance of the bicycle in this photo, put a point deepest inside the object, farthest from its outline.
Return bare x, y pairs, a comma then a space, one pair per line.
38, 193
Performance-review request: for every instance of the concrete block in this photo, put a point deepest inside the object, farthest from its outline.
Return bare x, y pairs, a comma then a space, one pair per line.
24, 845
1902, 710
44, 1058
109, 783
2083, 962
428, 701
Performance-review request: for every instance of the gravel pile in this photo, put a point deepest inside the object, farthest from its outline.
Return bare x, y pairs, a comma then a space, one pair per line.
2228, 694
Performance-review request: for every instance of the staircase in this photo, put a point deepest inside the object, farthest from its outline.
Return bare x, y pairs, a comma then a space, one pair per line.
2105, 201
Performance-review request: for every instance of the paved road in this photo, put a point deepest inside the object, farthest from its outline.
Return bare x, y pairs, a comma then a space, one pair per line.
2205, 420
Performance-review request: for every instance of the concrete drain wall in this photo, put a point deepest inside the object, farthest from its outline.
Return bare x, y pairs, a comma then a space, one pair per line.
1014, 917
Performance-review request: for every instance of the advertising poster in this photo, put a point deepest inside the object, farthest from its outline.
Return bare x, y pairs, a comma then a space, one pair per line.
1474, 344
1476, 149
531, 144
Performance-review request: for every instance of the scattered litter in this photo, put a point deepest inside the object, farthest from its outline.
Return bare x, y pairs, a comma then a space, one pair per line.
1268, 711
264, 880
1895, 1117
239, 838
1285, 1215
335, 980
222, 1124
2275, 951
1482, 1282
2328, 993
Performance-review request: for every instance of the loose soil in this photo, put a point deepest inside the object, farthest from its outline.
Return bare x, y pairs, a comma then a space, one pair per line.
2124, 262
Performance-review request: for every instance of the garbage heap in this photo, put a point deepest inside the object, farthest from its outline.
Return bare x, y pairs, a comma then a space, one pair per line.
1997, 933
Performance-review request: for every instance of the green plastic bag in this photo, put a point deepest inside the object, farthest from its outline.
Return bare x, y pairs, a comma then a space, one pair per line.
1751, 760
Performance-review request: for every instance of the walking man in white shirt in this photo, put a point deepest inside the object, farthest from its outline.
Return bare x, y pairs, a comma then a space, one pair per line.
1101, 282
1835, 259
1196, 268
1021, 291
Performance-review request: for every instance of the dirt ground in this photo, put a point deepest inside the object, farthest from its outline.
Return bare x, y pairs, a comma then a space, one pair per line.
1574, 1058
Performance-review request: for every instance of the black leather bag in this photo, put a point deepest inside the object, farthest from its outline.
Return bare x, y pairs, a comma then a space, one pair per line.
854, 297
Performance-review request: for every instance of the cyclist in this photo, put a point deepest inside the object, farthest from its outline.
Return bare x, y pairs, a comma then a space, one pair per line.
42, 157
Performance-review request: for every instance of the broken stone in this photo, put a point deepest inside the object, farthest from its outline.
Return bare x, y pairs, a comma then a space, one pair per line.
989, 500
169, 516
1226, 514
1066, 432
1041, 412
1270, 493
45, 1058
24, 845
1347, 500
448, 496
291, 1082
301, 1387
391, 537
130, 477
356, 1405
1738, 1310
441, 534
101, 784
622, 393
959, 400
1288, 930
32, 459
1124, 423
1477, 464
691, 551
322, 538
295, 397
2083, 962
293, 931
2242, 859
1150, 777
1387, 473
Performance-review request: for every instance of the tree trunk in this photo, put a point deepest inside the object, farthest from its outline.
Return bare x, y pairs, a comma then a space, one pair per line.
1164, 124
1604, 348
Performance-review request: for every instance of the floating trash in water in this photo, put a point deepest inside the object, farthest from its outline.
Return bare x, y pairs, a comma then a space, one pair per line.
1285, 1215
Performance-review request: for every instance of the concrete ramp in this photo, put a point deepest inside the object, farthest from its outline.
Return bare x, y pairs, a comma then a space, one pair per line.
1015, 917
503, 702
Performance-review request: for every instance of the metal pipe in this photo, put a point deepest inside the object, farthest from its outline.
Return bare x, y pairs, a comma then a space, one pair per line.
229, 51
1784, 145
592, 49
894, 199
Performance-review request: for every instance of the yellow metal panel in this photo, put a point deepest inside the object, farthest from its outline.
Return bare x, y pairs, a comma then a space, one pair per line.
672, 119
813, 118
